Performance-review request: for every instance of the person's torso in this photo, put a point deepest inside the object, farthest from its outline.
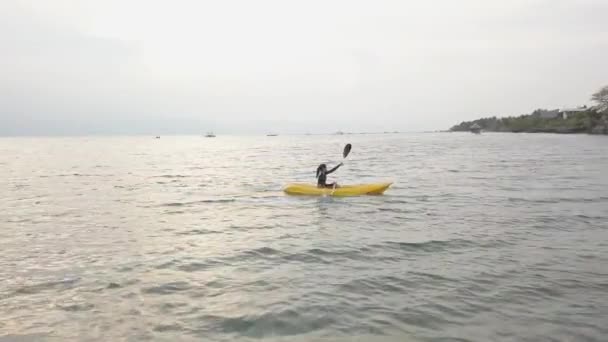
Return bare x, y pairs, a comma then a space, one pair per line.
322, 178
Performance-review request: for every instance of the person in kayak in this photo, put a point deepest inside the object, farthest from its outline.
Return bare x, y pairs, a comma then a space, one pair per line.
322, 176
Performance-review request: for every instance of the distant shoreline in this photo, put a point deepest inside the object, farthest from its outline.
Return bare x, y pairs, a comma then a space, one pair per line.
507, 132
579, 121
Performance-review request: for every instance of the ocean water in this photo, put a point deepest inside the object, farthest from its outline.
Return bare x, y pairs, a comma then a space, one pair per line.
492, 237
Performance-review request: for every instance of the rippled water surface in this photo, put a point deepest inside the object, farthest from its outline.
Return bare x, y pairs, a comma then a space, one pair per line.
493, 237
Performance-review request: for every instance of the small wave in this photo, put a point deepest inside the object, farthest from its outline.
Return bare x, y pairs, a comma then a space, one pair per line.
555, 200
521, 293
182, 204
81, 175
198, 232
168, 327
263, 251
353, 254
305, 258
314, 256
436, 315
433, 276
215, 284
395, 210
428, 246
172, 176
319, 251
287, 322
173, 204
167, 288
198, 266
174, 212
310, 256
377, 285
190, 266
165, 265
586, 217
75, 307
169, 306
50, 285
396, 201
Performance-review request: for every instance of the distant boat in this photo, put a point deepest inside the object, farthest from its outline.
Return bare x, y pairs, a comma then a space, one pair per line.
475, 128
271, 135
158, 137
210, 135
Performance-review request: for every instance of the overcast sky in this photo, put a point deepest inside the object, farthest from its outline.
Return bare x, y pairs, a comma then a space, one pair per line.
242, 66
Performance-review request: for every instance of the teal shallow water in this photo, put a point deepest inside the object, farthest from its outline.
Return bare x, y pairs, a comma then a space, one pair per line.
500, 237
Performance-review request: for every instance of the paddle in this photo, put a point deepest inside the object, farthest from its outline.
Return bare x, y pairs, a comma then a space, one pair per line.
345, 153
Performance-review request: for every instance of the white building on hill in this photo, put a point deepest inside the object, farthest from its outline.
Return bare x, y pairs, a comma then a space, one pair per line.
568, 112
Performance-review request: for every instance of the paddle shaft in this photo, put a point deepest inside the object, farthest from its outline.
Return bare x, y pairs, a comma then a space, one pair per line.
345, 154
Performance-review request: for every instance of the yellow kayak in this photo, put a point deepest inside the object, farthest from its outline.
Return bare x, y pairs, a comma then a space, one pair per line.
341, 191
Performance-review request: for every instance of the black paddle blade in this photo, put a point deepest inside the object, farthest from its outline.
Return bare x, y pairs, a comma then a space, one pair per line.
347, 149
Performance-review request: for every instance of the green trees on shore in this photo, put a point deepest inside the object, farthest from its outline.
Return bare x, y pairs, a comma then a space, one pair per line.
581, 120
601, 98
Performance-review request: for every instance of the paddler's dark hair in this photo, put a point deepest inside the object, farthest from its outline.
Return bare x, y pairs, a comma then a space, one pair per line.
321, 167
